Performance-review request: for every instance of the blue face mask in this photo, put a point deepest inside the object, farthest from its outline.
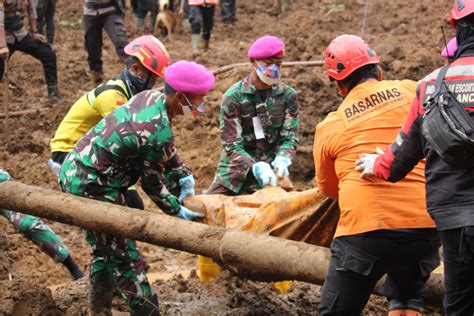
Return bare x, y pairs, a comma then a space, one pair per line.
269, 74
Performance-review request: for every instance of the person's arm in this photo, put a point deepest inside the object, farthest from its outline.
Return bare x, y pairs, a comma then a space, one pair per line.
407, 150
324, 162
32, 19
231, 135
108, 101
289, 131
153, 165
4, 52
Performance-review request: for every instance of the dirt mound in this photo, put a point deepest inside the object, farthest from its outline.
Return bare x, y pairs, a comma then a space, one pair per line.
393, 29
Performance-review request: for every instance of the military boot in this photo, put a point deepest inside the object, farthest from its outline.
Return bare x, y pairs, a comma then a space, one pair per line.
195, 38
97, 76
204, 44
53, 94
149, 307
101, 293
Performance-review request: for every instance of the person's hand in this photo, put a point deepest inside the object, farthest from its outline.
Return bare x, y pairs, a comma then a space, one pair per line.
4, 53
187, 187
281, 164
39, 37
4, 176
54, 167
264, 174
366, 162
186, 214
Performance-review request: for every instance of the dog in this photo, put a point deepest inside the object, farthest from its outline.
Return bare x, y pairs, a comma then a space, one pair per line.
166, 20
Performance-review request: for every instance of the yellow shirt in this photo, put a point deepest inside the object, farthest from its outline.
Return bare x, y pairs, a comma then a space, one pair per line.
370, 116
85, 114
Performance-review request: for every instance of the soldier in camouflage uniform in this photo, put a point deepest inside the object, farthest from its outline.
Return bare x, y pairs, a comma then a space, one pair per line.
135, 141
40, 233
259, 122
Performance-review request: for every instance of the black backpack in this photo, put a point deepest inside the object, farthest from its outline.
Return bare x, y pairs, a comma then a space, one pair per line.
448, 127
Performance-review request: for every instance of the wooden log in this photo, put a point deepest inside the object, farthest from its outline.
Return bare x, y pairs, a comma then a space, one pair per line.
251, 255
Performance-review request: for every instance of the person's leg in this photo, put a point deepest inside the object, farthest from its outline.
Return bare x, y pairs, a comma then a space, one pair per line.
129, 272
40, 13
44, 53
458, 259
93, 44
208, 24
49, 18
42, 235
117, 32
195, 18
351, 277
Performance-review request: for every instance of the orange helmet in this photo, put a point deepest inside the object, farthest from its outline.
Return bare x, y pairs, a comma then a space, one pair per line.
151, 53
347, 53
461, 9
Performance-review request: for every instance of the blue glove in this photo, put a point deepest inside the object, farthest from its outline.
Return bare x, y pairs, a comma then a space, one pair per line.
264, 173
4, 176
187, 187
281, 164
187, 214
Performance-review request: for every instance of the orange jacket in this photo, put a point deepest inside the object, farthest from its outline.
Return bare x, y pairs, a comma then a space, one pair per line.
370, 116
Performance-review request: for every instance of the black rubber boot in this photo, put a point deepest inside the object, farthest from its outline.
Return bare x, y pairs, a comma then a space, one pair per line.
53, 94
74, 270
101, 293
148, 308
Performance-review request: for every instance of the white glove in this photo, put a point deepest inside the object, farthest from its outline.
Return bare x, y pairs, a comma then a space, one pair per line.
264, 173
54, 167
366, 162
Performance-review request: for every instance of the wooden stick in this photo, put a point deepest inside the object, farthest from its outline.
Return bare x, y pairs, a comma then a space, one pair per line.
6, 100
18, 113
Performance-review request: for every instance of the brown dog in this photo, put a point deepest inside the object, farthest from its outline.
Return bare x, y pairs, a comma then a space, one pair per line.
166, 20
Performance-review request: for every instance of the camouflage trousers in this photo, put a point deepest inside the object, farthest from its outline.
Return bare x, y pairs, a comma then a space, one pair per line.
116, 261
38, 232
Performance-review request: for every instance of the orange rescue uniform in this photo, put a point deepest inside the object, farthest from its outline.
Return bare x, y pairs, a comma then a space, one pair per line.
370, 116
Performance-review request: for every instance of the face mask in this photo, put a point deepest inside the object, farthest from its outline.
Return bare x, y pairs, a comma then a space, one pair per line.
269, 74
191, 109
138, 84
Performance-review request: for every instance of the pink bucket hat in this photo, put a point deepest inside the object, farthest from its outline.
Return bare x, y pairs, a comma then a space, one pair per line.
189, 77
266, 47
449, 51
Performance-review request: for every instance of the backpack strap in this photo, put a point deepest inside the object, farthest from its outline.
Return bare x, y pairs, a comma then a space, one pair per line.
440, 84
105, 87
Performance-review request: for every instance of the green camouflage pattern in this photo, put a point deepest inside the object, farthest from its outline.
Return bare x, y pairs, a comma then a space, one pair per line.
38, 232
133, 142
241, 149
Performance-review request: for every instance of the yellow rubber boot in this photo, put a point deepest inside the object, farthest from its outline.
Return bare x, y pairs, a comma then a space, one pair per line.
283, 287
207, 269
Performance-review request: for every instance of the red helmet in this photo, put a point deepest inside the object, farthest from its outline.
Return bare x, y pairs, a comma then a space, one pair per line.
347, 53
150, 52
461, 9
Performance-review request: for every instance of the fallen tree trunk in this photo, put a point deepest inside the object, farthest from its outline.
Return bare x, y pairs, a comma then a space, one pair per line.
18, 113
251, 255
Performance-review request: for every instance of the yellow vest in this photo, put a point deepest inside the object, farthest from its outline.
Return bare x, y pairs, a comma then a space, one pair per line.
86, 113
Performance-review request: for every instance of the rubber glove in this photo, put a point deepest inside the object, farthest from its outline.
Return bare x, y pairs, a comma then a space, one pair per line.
187, 214
54, 167
4, 176
281, 164
366, 162
264, 173
187, 187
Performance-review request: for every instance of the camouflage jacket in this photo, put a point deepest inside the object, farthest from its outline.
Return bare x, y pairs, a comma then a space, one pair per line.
276, 109
135, 141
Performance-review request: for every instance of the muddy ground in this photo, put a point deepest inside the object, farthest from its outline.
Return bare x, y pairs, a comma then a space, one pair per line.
407, 36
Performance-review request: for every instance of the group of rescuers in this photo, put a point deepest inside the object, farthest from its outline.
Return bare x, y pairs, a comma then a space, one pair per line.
120, 132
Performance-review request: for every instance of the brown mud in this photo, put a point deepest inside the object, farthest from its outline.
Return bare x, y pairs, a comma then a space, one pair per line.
406, 35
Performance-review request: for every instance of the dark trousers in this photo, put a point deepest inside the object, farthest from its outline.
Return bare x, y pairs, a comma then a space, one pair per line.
39, 50
93, 26
228, 10
359, 261
45, 11
202, 17
458, 256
